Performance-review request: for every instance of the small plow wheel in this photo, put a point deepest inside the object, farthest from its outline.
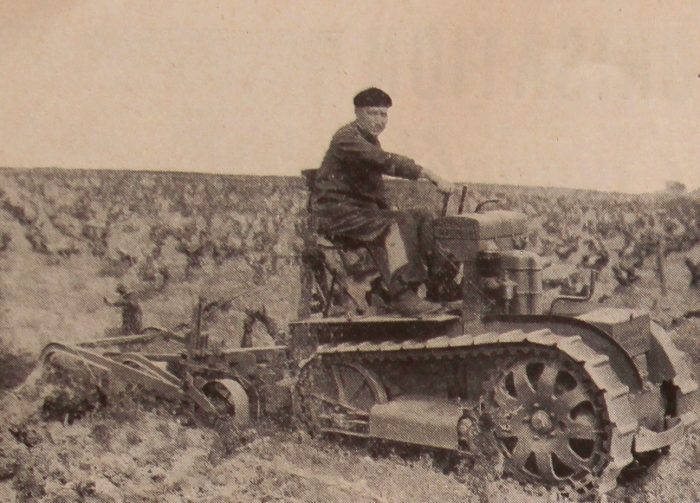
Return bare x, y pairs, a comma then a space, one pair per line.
230, 400
548, 420
337, 396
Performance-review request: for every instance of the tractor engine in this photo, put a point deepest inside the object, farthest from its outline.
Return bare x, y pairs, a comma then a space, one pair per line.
498, 275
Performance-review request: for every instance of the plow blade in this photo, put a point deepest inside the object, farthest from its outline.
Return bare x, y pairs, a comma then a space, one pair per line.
128, 368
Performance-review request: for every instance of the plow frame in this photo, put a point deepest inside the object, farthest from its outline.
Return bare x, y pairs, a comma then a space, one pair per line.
192, 373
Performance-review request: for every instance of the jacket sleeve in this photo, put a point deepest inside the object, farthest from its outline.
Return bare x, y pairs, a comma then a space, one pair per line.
352, 148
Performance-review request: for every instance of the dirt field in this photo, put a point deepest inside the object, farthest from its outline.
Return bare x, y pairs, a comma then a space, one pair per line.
127, 453
133, 452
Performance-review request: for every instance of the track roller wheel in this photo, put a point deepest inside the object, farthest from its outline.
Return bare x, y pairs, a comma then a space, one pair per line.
548, 420
336, 397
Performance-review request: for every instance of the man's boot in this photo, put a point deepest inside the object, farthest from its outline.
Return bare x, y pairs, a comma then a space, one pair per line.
403, 283
405, 301
409, 304
378, 297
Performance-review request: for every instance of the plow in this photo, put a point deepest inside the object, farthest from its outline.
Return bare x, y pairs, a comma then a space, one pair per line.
569, 400
181, 369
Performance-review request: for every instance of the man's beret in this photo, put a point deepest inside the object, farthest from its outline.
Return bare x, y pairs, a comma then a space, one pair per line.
372, 97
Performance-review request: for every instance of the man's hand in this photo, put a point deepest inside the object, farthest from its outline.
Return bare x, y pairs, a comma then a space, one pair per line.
444, 186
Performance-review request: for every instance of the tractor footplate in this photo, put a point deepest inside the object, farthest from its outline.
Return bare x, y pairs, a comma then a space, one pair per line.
417, 419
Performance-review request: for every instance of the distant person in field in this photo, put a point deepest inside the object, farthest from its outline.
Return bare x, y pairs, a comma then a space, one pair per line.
132, 316
349, 204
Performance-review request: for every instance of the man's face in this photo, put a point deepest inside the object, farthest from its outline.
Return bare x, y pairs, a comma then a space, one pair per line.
372, 119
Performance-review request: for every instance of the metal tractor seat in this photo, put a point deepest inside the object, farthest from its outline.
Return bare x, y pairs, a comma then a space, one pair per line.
345, 273
344, 270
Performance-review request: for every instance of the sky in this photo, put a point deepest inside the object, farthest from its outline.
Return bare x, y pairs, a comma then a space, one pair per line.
587, 94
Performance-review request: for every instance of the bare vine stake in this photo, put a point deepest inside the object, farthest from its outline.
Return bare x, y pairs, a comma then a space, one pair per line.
660, 264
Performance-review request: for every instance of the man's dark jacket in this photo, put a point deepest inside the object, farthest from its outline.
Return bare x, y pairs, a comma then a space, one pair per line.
349, 199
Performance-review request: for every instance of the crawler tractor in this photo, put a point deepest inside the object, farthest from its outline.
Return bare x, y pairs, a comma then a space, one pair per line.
569, 400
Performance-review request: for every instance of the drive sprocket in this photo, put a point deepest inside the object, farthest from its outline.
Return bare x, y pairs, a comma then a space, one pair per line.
549, 419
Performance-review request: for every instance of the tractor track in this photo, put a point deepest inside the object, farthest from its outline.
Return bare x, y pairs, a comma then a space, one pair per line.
612, 396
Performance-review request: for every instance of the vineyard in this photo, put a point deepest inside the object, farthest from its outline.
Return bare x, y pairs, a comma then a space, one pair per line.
69, 238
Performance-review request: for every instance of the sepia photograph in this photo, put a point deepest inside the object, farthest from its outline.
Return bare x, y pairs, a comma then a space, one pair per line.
380, 251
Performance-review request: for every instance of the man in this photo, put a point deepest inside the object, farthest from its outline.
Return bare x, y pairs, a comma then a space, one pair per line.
131, 310
349, 203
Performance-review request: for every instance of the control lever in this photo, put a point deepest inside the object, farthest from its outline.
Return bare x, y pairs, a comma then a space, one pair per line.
461, 199
446, 199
